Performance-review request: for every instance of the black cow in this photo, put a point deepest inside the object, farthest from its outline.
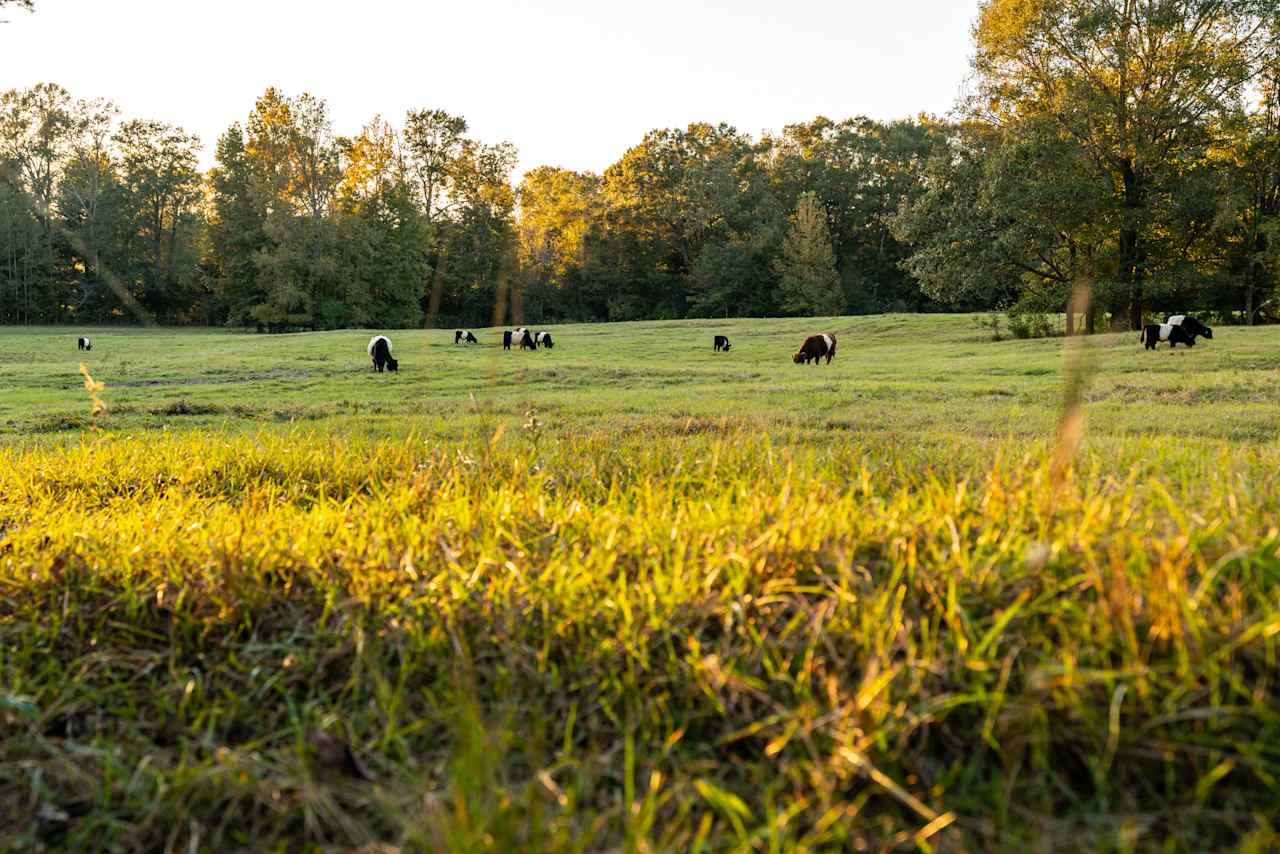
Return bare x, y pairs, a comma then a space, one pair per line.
84, 344
380, 351
722, 343
814, 348
462, 336
1154, 333
506, 340
543, 339
1191, 325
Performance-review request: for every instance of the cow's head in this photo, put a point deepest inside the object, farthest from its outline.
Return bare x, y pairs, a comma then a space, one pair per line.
799, 358
392, 364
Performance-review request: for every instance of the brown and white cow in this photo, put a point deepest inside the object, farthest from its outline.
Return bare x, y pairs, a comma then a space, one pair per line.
815, 347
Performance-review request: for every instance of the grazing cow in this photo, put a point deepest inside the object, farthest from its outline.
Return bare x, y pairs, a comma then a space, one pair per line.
462, 336
722, 343
380, 351
84, 344
1154, 333
1191, 325
506, 340
815, 347
524, 338
543, 339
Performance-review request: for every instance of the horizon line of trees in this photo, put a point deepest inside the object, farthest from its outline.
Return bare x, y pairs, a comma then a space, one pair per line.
1132, 146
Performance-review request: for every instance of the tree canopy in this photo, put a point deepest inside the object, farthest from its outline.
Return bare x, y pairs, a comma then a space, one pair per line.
1133, 145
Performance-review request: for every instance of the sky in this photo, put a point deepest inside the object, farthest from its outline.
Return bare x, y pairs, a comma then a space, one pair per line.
573, 83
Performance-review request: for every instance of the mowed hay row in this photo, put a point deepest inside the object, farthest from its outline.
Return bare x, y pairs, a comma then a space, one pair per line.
574, 642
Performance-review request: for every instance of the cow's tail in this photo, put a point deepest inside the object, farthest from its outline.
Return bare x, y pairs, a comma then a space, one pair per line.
1142, 336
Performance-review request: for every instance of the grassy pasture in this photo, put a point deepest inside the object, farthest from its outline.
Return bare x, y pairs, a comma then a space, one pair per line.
632, 594
919, 374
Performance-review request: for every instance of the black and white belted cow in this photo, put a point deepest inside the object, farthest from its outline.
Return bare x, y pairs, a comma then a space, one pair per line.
1154, 333
814, 348
84, 344
543, 339
463, 336
1191, 325
722, 343
524, 339
380, 352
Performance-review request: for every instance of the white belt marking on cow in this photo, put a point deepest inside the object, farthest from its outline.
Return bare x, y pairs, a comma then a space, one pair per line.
830, 343
1177, 319
1165, 330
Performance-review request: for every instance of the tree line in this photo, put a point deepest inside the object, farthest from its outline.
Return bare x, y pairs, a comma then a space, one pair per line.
1130, 146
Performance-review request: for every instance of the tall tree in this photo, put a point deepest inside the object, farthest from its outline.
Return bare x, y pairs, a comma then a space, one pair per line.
806, 269
862, 171
237, 228
161, 187
382, 231
90, 205
1138, 84
1009, 217
559, 209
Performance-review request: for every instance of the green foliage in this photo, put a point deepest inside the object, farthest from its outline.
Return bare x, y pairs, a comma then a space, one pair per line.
1131, 147
1029, 324
806, 270
1133, 96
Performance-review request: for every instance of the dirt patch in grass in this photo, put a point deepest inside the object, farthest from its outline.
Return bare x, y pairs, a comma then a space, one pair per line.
184, 407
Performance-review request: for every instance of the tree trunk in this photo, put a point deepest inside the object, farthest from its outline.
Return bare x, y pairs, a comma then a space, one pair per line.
1248, 299
1130, 250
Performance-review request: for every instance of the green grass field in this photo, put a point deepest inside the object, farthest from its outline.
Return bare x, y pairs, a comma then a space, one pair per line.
630, 594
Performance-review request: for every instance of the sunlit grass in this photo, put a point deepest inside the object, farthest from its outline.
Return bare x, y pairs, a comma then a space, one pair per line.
625, 595
668, 641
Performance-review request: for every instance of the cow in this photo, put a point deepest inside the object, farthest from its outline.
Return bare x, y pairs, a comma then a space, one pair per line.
506, 340
1154, 333
524, 338
543, 339
815, 347
1191, 325
380, 351
84, 344
462, 336
722, 343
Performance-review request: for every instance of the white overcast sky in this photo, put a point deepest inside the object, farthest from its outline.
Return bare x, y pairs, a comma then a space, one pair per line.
572, 83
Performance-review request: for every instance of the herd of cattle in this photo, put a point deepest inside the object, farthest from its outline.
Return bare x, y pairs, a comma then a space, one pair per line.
814, 348
1178, 329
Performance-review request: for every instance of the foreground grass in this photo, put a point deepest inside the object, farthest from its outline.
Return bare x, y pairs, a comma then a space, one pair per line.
690, 635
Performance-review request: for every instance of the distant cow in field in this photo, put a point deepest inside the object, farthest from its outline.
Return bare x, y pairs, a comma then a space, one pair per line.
1191, 325
380, 352
722, 343
84, 344
524, 339
463, 336
1154, 333
814, 348
543, 339
506, 340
